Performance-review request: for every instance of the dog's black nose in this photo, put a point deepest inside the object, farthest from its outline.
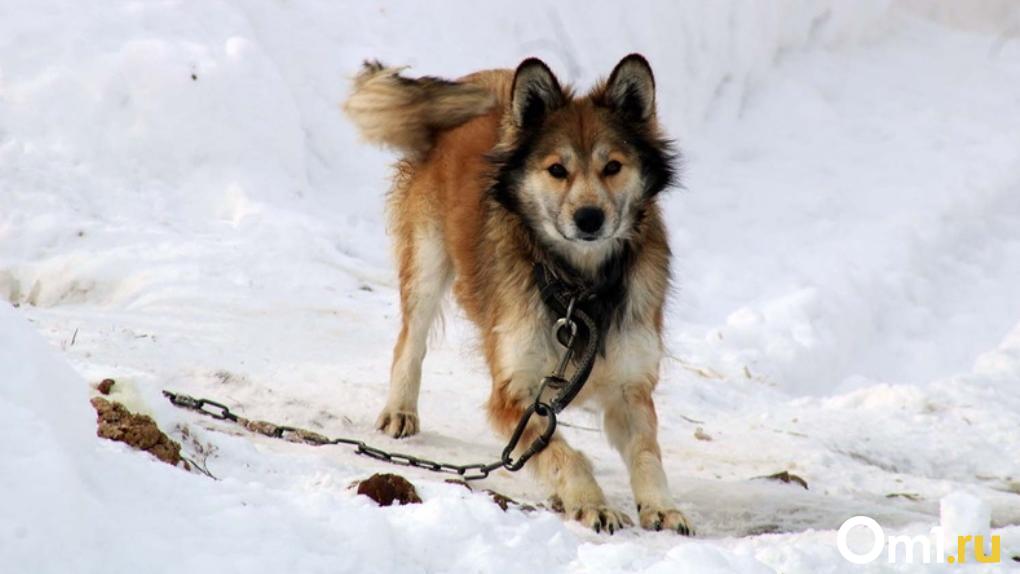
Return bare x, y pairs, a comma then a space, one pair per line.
589, 219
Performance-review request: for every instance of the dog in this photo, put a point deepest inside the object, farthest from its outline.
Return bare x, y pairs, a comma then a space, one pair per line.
504, 171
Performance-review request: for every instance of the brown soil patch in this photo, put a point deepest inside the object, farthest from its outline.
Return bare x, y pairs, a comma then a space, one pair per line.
138, 431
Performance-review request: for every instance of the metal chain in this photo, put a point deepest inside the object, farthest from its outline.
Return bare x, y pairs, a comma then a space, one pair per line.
567, 390
220, 411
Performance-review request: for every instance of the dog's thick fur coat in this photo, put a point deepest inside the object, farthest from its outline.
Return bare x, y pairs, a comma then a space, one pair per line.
503, 170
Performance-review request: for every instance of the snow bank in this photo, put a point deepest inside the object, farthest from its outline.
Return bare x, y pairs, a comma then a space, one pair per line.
895, 257
75, 503
182, 205
192, 121
78, 504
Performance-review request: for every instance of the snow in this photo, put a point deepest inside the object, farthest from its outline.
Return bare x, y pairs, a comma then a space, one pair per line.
963, 514
183, 206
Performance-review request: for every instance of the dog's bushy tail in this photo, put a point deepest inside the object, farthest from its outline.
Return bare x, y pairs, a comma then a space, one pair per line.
407, 113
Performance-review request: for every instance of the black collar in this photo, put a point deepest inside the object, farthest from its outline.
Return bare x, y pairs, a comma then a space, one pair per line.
601, 300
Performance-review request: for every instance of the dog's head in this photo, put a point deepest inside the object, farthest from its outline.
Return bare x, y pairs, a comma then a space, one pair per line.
581, 171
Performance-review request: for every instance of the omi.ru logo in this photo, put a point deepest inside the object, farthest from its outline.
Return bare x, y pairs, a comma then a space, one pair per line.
926, 549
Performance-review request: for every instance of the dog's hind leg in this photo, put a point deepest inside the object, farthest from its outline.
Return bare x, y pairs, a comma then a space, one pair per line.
425, 276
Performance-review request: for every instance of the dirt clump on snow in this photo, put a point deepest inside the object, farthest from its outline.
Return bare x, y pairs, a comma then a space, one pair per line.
138, 431
503, 501
386, 488
788, 478
105, 386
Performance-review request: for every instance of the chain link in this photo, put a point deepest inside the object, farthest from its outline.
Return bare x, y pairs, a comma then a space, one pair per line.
478, 471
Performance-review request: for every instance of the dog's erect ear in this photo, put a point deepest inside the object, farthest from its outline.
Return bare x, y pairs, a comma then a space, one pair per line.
535, 93
630, 90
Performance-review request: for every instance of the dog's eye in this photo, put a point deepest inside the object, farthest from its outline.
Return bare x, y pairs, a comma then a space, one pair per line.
612, 168
558, 171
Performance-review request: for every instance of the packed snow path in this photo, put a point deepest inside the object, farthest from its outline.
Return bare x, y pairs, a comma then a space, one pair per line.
183, 206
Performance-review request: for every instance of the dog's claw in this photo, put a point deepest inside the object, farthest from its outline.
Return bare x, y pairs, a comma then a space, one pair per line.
397, 424
665, 519
601, 518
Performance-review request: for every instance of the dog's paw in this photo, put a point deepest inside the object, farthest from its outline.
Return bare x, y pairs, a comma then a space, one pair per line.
600, 518
397, 424
669, 519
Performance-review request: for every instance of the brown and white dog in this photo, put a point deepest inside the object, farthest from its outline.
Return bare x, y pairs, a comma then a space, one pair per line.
503, 170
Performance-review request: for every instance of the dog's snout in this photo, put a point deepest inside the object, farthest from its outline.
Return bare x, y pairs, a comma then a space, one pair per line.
589, 219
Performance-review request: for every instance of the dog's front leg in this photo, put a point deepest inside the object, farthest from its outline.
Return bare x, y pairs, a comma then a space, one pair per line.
561, 467
631, 425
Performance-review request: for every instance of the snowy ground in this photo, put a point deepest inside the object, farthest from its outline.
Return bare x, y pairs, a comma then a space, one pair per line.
183, 206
